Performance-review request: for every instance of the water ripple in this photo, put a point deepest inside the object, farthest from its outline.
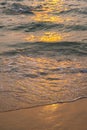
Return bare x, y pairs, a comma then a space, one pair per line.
17, 9
42, 48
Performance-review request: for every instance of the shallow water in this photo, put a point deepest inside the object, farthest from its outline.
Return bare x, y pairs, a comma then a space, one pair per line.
43, 52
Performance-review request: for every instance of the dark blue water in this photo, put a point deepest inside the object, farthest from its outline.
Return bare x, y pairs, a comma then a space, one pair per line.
43, 52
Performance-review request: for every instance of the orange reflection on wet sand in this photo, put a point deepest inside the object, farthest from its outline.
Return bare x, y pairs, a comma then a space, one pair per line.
50, 108
50, 113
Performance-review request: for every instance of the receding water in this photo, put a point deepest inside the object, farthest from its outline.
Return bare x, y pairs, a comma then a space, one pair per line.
43, 52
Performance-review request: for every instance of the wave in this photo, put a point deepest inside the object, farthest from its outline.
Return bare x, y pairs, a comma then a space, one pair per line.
35, 26
74, 11
17, 9
29, 107
39, 26
76, 27
44, 48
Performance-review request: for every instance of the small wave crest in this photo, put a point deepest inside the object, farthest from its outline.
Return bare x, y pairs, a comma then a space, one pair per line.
17, 9
47, 49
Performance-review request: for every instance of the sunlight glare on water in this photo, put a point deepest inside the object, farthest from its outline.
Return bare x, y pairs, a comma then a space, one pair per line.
47, 37
43, 52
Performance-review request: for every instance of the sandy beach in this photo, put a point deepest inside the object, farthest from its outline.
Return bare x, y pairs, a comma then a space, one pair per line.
66, 116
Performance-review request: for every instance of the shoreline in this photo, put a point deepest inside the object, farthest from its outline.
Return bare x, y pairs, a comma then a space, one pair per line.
61, 116
33, 107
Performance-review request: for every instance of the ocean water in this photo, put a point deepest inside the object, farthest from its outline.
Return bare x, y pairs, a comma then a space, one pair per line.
43, 52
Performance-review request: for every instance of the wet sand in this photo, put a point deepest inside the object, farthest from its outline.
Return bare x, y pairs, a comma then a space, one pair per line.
66, 116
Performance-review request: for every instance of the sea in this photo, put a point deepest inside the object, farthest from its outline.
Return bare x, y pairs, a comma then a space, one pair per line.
43, 52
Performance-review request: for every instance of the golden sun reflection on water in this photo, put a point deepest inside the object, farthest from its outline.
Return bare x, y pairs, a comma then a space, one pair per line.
53, 5
46, 37
51, 79
44, 17
51, 37
47, 14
